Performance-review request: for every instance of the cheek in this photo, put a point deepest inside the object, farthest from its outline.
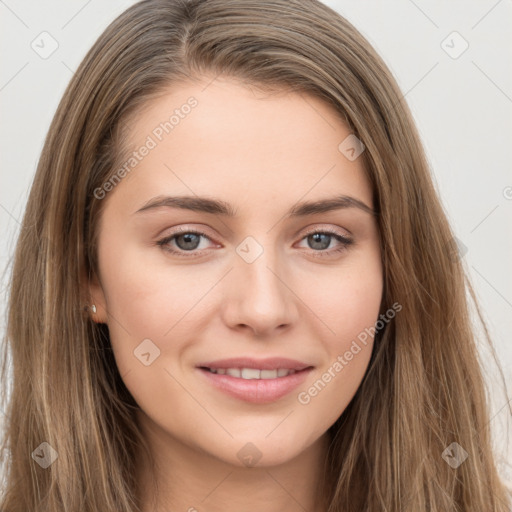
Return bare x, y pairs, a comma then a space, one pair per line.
348, 307
325, 396
147, 296
143, 302
357, 310
347, 300
331, 387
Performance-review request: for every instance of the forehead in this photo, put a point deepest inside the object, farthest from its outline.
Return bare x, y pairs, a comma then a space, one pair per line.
225, 139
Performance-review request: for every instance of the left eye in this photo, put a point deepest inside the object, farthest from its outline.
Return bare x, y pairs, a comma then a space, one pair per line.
188, 241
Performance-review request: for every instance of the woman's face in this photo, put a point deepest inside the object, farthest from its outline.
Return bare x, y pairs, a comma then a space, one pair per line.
231, 269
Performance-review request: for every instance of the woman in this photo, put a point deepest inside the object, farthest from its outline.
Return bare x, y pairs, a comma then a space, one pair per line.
244, 283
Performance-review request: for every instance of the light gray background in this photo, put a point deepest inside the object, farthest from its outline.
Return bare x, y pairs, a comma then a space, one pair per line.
462, 107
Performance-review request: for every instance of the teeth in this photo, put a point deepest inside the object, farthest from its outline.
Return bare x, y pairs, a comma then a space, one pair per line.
253, 373
250, 373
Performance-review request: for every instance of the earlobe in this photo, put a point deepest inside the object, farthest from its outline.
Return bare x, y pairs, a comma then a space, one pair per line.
98, 305
95, 315
94, 299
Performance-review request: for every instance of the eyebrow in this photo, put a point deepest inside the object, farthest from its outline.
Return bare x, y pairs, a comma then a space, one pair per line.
219, 207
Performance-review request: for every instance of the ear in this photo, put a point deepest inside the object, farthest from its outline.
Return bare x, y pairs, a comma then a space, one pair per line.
92, 293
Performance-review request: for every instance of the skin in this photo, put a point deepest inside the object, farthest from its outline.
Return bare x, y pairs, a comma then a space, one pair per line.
262, 153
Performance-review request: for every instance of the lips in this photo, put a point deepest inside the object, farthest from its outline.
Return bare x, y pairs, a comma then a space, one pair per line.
256, 381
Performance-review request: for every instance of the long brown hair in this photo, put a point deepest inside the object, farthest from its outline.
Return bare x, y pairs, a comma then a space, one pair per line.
424, 387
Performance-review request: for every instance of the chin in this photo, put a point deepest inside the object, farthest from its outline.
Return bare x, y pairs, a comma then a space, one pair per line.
261, 451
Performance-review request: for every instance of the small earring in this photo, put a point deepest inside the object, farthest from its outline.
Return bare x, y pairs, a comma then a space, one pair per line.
93, 308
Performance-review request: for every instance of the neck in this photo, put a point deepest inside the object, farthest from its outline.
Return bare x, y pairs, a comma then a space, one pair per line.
188, 479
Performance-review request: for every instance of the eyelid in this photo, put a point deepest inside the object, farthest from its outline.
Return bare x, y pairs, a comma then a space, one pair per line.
201, 230
325, 229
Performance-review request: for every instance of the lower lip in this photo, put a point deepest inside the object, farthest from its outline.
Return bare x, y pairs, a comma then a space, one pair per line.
257, 391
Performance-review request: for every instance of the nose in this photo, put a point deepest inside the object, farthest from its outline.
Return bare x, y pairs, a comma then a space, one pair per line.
259, 298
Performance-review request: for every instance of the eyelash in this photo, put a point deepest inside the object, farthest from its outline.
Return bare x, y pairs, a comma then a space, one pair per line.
345, 242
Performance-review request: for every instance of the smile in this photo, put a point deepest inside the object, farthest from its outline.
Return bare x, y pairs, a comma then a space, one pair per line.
252, 373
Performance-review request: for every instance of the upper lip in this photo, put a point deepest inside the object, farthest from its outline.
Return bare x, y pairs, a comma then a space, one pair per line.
271, 363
